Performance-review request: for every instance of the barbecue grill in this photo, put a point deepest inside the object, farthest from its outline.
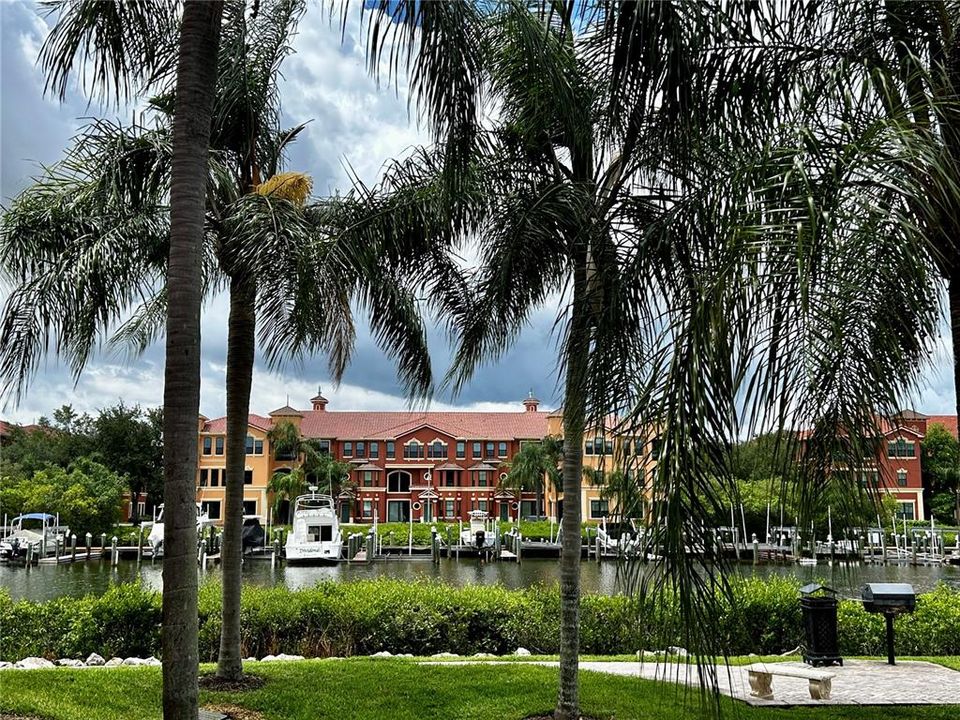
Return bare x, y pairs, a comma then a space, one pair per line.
889, 599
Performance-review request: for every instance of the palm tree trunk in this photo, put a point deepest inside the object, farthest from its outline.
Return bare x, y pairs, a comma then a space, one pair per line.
953, 294
196, 86
241, 344
574, 411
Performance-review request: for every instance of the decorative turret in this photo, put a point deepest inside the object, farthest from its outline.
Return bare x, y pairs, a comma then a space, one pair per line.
531, 403
287, 413
319, 401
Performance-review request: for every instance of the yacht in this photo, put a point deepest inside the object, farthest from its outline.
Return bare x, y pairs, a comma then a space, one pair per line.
316, 531
155, 538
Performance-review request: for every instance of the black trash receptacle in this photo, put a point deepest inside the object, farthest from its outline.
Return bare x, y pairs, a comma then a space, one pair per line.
818, 604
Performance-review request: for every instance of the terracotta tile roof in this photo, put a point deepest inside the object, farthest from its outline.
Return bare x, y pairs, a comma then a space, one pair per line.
5, 428
948, 421
463, 425
482, 466
286, 411
448, 466
219, 425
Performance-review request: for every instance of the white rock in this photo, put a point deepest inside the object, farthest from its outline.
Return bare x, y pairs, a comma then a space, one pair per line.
483, 655
250, 659
32, 663
134, 661
445, 654
113, 662
4, 664
646, 654
405, 655
523, 652
94, 660
383, 653
70, 662
678, 651
152, 662
284, 656
268, 658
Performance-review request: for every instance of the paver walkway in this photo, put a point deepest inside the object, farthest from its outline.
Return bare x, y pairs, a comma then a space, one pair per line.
857, 682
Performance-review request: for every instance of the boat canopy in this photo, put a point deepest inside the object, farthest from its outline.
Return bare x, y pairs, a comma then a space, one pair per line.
35, 516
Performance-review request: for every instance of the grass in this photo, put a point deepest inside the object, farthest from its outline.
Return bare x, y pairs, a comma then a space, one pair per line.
363, 689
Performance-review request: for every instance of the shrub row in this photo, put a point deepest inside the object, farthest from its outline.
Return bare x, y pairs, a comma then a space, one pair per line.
425, 617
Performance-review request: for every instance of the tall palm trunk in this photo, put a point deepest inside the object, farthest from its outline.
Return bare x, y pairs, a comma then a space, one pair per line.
953, 294
574, 411
196, 86
241, 343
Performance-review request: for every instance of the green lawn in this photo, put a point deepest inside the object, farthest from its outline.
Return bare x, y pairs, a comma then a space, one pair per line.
363, 689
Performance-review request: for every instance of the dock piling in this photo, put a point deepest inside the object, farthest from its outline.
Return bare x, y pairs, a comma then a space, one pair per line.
89, 538
73, 547
756, 550
114, 553
139, 544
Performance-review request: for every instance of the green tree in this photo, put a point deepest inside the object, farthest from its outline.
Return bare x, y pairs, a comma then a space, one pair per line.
536, 465
128, 440
940, 459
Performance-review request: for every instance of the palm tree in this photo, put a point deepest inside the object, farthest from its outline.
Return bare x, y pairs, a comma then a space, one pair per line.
257, 233
534, 466
633, 171
122, 58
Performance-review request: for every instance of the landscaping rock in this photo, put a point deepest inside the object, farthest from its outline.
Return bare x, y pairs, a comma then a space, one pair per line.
405, 655
383, 653
113, 662
268, 658
32, 663
641, 654
152, 662
281, 656
134, 661
483, 655
70, 662
523, 652
250, 659
678, 651
95, 660
4, 664
445, 654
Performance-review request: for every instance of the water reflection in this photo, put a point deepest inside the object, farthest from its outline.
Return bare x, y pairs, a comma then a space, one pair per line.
50, 581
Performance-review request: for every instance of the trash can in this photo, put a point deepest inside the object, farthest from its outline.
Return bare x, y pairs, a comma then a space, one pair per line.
818, 604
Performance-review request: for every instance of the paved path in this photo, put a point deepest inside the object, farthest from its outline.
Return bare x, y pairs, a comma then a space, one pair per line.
858, 682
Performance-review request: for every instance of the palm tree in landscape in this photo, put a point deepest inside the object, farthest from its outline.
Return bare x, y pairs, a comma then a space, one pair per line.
631, 168
536, 465
258, 233
123, 56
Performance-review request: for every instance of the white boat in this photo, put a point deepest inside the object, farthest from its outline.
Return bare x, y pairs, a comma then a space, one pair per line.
41, 530
316, 535
155, 538
481, 533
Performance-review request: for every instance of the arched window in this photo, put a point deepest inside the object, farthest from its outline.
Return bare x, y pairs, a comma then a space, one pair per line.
398, 481
437, 450
413, 450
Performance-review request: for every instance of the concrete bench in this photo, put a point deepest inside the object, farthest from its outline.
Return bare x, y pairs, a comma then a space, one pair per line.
761, 675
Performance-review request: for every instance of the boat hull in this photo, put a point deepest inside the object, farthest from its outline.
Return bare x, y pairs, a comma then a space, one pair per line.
327, 554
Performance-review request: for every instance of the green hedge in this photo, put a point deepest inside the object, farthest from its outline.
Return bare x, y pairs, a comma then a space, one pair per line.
424, 617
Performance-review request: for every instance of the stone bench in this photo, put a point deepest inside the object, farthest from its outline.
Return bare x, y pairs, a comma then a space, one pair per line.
761, 675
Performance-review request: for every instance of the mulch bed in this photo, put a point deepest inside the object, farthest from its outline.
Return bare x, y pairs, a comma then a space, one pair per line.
218, 684
235, 712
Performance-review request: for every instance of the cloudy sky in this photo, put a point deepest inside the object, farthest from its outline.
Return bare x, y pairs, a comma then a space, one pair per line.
352, 123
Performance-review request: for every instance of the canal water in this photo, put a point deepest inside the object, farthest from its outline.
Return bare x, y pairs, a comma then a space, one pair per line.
46, 582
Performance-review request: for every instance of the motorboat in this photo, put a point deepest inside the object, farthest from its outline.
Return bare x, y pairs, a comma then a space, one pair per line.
481, 533
155, 538
40, 530
315, 537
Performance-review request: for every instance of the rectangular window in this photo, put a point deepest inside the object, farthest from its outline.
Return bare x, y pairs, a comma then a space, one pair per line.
482, 505
588, 447
476, 451
249, 507
368, 508
655, 448
204, 477
391, 450
413, 451
461, 450
599, 508
905, 510
361, 449
258, 447
901, 478
437, 451
249, 448
448, 508
482, 478
490, 449
207, 445
608, 446
626, 446
212, 508
450, 478
901, 449
215, 477
348, 449
528, 508
248, 477
219, 446
502, 450
324, 446
637, 446
374, 450
368, 478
